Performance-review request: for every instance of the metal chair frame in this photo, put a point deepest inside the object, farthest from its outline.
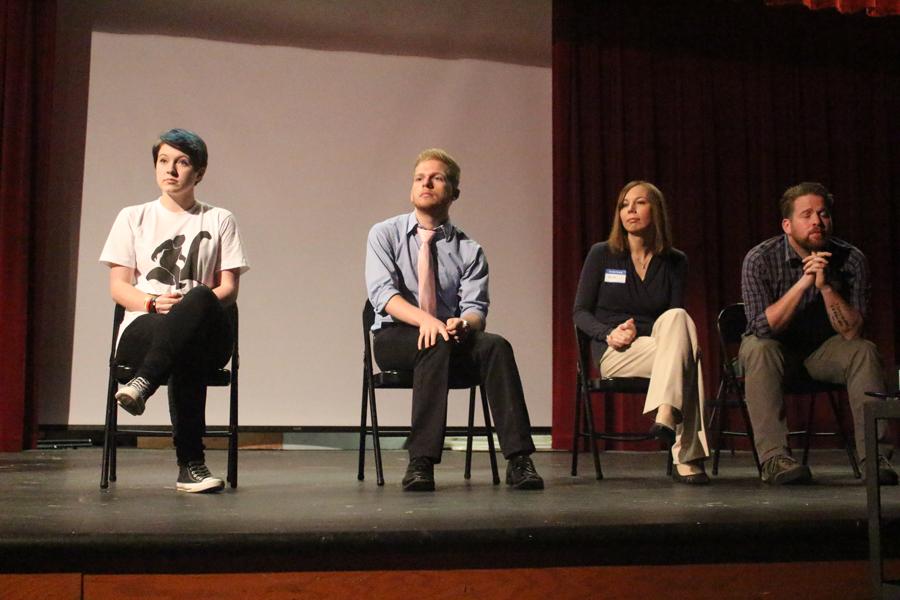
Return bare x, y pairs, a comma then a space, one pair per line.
584, 430
123, 374
404, 380
732, 322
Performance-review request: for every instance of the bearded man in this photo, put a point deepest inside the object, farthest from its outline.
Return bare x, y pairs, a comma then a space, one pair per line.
805, 295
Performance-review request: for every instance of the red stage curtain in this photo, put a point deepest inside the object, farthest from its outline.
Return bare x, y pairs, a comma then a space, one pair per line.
723, 105
28, 33
875, 8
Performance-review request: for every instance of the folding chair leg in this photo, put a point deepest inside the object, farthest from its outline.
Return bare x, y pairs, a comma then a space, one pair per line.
576, 428
716, 423
589, 417
233, 431
104, 465
810, 414
468, 471
748, 427
233, 459
848, 447
113, 440
489, 431
361, 473
376, 442
109, 439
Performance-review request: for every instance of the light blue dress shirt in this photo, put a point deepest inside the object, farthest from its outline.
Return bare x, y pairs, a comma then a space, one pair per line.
391, 257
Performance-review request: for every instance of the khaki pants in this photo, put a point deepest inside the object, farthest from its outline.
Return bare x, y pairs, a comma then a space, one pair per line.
669, 356
766, 362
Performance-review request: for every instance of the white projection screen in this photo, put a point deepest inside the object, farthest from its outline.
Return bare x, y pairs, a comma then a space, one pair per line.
309, 148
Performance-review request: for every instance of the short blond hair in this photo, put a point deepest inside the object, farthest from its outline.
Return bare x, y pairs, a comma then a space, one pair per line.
453, 170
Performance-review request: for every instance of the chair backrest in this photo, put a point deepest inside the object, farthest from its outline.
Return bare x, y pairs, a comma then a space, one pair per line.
232, 312
368, 315
584, 353
368, 319
118, 316
731, 324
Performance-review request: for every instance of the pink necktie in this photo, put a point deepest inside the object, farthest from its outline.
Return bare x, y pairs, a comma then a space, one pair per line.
427, 295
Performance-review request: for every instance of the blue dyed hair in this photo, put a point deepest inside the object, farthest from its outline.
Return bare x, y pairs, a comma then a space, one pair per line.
188, 142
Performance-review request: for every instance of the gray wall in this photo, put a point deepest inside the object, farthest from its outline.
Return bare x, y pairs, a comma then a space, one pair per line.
313, 113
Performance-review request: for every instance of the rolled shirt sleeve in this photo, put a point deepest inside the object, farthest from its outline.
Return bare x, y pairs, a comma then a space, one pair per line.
473, 287
382, 274
757, 294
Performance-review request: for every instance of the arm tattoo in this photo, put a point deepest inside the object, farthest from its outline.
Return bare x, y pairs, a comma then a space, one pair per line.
838, 318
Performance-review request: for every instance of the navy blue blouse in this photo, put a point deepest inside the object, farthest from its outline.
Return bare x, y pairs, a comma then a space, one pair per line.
610, 292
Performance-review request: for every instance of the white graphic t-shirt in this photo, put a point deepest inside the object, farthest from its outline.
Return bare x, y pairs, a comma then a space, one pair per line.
173, 252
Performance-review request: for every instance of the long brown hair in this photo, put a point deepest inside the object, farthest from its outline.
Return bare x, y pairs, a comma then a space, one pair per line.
662, 234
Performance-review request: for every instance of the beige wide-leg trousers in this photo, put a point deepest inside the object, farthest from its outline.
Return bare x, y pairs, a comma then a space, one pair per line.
670, 357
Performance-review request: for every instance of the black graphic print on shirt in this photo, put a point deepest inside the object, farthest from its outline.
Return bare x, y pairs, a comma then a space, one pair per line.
169, 252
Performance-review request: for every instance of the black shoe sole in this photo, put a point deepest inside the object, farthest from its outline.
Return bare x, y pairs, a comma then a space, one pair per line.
693, 479
886, 475
884, 479
419, 485
797, 476
526, 484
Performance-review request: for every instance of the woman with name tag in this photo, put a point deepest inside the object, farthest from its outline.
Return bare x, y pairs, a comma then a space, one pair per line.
175, 264
630, 302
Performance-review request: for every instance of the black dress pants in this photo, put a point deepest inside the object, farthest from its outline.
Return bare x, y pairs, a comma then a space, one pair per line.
487, 354
180, 349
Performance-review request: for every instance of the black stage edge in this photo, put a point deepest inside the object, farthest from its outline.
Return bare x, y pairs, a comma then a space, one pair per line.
305, 510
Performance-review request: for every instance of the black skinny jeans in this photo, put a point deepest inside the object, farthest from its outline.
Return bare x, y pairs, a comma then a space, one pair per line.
179, 349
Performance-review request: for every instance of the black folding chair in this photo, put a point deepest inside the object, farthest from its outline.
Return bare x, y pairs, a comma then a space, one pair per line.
732, 322
584, 429
122, 374
403, 380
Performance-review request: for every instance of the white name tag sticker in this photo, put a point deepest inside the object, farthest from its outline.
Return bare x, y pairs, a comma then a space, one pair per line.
614, 276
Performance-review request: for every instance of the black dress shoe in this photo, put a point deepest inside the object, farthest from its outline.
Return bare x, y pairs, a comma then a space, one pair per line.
419, 475
663, 433
521, 474
700, 478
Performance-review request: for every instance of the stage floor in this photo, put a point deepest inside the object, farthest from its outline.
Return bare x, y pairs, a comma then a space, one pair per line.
305, 510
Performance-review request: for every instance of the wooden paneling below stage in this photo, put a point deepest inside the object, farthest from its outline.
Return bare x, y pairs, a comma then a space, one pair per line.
841, 580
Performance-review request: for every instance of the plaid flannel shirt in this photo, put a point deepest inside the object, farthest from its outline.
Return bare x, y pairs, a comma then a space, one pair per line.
773, 266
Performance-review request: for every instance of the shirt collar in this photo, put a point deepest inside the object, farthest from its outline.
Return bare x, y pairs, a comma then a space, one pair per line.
445, 230
790, 255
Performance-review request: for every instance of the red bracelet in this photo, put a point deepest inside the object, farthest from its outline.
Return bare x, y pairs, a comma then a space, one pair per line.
150, 304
